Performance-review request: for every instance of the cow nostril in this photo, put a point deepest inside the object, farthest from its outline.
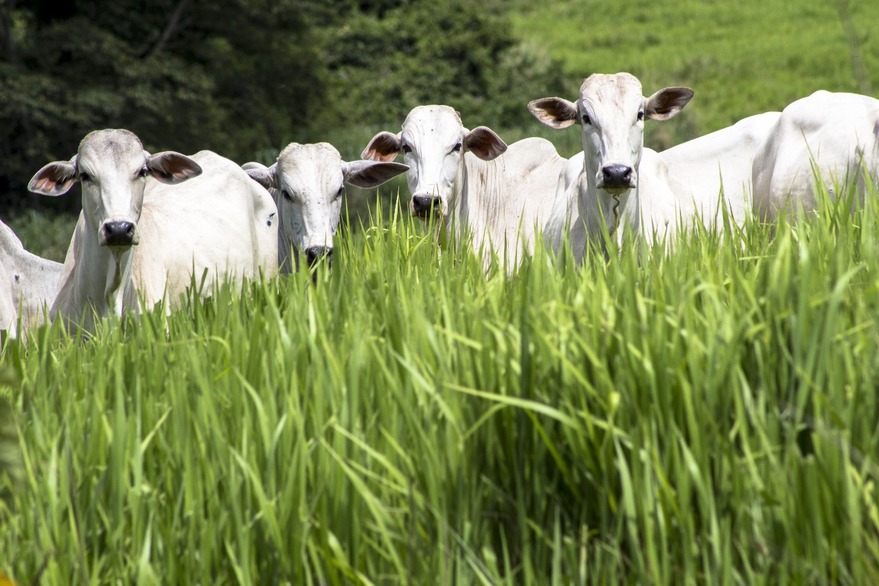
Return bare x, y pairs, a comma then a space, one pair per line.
119, 233
617, 176
423, 205
315, 254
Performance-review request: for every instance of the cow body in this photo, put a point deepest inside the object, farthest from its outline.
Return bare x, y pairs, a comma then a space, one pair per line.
714, 170
307, 183
214, 228
833, 134
141, 236
29, 283
493, 194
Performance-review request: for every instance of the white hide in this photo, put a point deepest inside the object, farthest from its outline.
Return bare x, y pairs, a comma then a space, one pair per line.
564, 217
714, 170
833, 134
28, 284
492, 193
621, 186
218, 227
141, 236
308, 183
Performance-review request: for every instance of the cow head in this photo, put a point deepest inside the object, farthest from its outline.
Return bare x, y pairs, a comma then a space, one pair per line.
433, 142
308, 181
112, 167
611, 111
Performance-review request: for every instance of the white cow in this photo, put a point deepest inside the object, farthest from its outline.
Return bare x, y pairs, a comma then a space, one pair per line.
28, 284
715, 169
484, 189
139, 235
307, 182
833, 134
622, 185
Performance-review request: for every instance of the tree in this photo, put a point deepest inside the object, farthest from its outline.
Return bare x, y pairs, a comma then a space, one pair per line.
392, 55
234, 76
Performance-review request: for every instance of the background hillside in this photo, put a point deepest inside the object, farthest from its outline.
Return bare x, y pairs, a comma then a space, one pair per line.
742, 58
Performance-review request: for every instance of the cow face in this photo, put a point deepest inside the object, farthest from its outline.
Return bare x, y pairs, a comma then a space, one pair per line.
112, 167
433, 143
611, 111
308, 182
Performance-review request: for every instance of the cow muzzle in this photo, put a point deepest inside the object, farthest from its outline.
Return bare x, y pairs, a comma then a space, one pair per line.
119, 233
616, 178
424, 206
315, 254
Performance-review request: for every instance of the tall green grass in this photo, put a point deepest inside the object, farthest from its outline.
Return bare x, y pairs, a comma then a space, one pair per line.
707, 416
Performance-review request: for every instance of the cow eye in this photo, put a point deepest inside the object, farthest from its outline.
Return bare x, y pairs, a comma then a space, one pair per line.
406, 149
286, 195
340, 192
640, 115
142, 172
585, 119
457, 148
83, 176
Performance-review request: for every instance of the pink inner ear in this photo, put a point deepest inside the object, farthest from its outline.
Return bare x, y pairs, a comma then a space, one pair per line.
171, 167
53, 179
45, 184
485, 143
384, 147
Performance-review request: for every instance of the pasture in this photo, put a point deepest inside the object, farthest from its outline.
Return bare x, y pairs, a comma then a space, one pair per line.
706, 417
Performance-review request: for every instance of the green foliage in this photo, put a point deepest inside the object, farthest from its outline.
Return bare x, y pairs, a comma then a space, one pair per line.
701, 417
221, 77
47, 235
383, 63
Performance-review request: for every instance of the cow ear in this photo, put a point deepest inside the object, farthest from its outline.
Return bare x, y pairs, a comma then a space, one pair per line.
263, 175
667, 103
384, 146
484, 142
369, 174
554, 112
171, 167
53, 179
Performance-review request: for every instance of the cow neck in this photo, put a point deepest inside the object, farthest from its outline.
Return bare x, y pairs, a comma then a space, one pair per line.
619, 212
479, 208
100, 278
288, 252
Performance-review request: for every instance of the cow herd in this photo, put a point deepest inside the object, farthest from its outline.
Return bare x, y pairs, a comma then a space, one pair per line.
153, 224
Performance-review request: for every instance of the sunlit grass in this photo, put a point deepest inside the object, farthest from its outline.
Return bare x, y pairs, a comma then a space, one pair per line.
707, 416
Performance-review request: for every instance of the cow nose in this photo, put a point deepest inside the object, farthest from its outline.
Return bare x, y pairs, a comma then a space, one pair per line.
616, 177
118, 233
423, 205
314, 254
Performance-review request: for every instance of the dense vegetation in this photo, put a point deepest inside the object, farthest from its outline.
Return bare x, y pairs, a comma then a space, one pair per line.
704, 418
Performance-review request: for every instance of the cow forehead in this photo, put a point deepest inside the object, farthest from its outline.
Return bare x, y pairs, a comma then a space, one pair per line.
301, 164
619, 90
437, 120
321, 156
114, 148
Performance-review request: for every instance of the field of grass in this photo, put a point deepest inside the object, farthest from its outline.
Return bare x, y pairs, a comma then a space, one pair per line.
704, 418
